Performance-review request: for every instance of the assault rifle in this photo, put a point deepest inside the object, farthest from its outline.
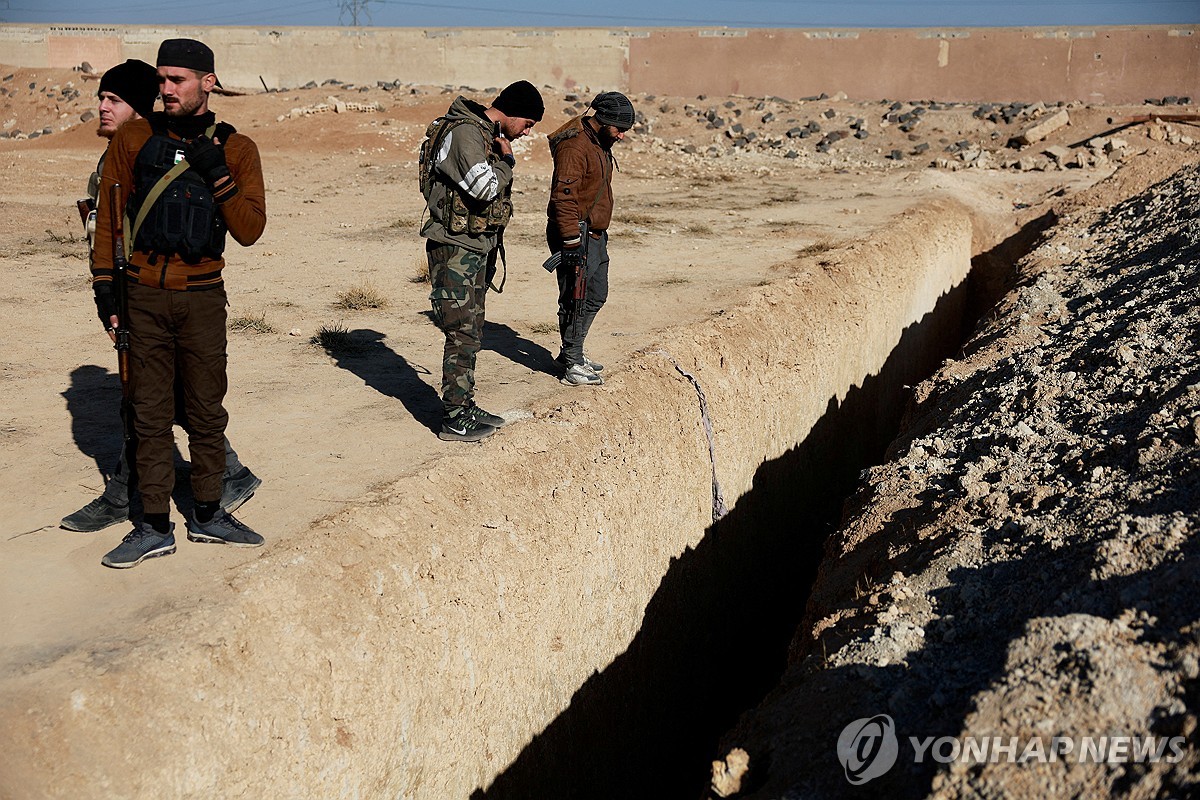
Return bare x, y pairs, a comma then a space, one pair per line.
579, 292
121, 298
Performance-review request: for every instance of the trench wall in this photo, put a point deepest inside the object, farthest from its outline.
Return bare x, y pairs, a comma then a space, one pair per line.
416, 645
1108, 64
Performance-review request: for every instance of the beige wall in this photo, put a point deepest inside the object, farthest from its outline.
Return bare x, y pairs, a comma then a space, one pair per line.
1108, 65
1101, 65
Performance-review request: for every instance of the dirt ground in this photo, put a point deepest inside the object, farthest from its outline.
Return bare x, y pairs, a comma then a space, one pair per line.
703, 213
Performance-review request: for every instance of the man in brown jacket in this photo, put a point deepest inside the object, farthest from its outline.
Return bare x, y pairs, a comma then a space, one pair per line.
581, 189
179, 217
127, 92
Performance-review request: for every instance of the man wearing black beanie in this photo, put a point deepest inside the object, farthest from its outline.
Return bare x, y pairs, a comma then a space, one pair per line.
177, 164
127, 92
466, 174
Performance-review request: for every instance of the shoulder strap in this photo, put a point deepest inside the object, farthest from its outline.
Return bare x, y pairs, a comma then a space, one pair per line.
152, 197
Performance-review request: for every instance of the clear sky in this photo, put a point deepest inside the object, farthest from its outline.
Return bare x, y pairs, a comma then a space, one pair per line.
610, 13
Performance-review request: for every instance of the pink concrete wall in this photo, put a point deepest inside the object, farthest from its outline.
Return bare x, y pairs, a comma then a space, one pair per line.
1110, 65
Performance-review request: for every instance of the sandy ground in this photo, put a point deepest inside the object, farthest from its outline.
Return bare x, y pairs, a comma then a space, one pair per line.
692, 230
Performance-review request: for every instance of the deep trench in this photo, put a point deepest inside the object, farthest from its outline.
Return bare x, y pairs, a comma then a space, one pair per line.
715, 635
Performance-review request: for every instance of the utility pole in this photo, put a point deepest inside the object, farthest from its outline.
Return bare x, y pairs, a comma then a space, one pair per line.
356, 11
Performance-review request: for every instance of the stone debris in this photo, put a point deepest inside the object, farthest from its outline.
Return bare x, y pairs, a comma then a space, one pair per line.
1044, 128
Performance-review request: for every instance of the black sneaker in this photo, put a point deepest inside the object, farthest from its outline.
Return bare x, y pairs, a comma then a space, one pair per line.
139, 544
462, 426
238, 488
95, 516
222, 529
480, 415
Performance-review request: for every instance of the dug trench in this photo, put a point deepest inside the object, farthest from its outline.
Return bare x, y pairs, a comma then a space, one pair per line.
714, 638
577, 624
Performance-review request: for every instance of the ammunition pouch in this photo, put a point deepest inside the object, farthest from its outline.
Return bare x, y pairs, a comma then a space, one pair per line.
476, 218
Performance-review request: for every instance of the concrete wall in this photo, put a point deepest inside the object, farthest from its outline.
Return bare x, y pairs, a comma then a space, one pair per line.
1097, 65
1100, 65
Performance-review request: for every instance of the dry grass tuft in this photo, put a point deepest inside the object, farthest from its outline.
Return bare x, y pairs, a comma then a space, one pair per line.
815, 248
253, 322
363, 297
421, 270
337, 340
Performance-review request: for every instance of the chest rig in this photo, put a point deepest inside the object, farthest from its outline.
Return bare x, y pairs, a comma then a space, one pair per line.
179, 218
456, 210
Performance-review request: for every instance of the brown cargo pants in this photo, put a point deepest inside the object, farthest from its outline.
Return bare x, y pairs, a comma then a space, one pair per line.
184, 330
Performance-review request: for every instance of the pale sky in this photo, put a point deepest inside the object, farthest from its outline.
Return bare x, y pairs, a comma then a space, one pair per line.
612, 13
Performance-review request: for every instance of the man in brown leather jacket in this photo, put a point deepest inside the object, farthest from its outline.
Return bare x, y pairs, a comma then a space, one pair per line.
128, 92
581, 189
185, 182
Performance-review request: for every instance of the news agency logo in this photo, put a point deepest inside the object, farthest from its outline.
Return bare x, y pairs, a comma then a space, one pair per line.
868, 748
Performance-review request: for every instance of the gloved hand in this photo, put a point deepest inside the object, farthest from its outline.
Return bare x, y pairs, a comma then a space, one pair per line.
106, 303
208, 159
572, 257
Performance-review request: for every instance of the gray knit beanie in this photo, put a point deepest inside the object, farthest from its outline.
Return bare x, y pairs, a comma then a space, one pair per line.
613, 108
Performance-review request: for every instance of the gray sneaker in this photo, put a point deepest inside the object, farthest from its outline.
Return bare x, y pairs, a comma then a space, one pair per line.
222, 529
594, 366
95, 516
139, 544
238, 488
579, 375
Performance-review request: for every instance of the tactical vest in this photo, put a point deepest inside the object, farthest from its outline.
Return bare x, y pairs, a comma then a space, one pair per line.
185, 221
457, 211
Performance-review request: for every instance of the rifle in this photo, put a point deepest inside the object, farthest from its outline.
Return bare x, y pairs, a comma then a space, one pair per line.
121, 296
579, 292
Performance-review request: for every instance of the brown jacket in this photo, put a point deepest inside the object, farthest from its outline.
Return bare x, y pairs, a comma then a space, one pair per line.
243, 207
582, 182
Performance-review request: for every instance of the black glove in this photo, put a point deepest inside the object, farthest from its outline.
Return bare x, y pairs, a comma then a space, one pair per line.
207, 159
106, 302
572, 257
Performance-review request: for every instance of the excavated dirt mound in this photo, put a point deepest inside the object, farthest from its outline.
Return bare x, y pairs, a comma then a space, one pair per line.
1024, 566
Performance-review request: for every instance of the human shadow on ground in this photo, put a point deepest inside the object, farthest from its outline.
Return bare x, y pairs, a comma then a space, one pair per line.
364, 353
501, 339
94, 404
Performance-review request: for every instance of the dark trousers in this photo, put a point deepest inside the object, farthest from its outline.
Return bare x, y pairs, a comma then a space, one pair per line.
184, 331
573, 334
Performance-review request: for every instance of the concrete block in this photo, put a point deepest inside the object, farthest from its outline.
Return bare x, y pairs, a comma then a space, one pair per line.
1058, 153
1044, 128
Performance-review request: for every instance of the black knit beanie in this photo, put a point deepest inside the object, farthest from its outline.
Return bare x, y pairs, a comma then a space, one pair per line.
520, 99
613, 108
135, 82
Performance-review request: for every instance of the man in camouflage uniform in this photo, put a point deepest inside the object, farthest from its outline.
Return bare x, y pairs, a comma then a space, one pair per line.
466, 177
127, 92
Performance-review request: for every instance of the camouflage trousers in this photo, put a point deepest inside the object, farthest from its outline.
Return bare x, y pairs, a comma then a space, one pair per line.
459, 279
